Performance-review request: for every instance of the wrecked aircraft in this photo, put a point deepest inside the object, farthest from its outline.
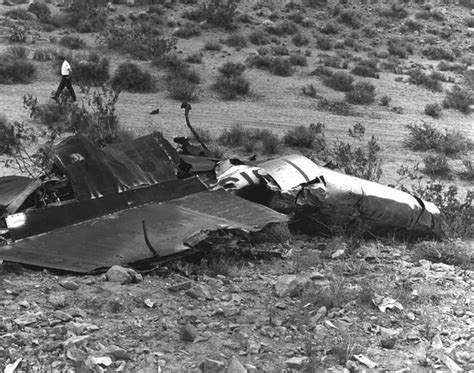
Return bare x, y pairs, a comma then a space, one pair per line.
115, 205
295, 182
142, 200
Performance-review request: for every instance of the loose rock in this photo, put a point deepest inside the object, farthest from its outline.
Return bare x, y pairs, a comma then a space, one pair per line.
123, 275
188, 333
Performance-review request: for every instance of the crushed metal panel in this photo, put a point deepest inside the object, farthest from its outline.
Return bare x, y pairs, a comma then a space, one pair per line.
118, 238
95, 172
11, 187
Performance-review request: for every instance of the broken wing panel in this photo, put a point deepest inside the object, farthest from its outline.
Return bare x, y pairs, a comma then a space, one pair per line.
118, 238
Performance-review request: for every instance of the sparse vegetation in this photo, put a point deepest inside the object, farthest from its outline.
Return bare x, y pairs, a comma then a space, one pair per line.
299, 137
438, 53
41, 10
16, 51
130, 77
436, 165
259, 37
281, 66
309, 90
236, 40
92, 70
459, 98
299, 40
230, 83
350, 18
212, 45
385, 100
433, 110
188, 30
340, 81
418, 77
14, 71
426, 137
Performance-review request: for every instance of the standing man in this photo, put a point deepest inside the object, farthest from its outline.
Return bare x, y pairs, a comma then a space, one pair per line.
66, 81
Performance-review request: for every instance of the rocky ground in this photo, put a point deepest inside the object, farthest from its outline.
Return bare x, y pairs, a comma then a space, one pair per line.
319, 305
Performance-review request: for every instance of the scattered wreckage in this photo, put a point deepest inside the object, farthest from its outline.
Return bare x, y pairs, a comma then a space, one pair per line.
143, 200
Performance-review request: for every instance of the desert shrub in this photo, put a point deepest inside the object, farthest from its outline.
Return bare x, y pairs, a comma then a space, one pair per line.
281, 66
370, 31
469, 21
455, 67
332, 61
231, 69
350, 18
300, 137
230, 83
385, 100
18, 34
181, 89
324, 42
19, 13
330, 28
141, 41
309, 90
15, 51
259, 37
280, 50
436, 165
229, 87
130, 77
244, 18
438, 53
9, 141
413, 25
92, 70
298, 60
340, 81
361, 161
41, 10
259, 61
322, 71
233, 137
398, 48
212, 45
285, 27
433, 110
363, 93
188, 30
459, 98
296, 17
194, 58
299, 40
72, 42
366, 70
219, 12
449, 252
270, 142
16, 71
337, 107
395, 10
45, 54
83, 15
156, 9
426, 137
236, 40
418, 77
315, 3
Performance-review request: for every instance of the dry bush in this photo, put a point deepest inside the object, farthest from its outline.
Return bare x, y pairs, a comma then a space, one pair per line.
300, 137
299, 40
438, 53
449, 252
236, 40
259, 37
340, 81
330, 28
367, 68
219, 12
455, 67
433, 110
194, 58
234, 137
16, 52
41, 10
324, 42
83, 15
285, 27
141, 41
395, 10
45, 54
130, 77
459, 98
436, 166
426, 137
188, 30
270, 142
280, 50
230, 83
399, 48
92, 70
362, 94
8, 140
350, 18
212, 45
298, 60
72, 42
418, 77
310, 90
181, 89
19, 13
16, 71
281, 66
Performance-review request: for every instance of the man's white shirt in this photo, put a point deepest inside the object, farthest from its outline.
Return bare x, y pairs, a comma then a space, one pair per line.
66, 68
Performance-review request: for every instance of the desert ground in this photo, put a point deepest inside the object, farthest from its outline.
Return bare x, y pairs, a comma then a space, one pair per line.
312, 303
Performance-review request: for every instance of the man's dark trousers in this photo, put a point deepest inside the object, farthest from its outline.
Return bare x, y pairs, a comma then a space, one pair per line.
66, 81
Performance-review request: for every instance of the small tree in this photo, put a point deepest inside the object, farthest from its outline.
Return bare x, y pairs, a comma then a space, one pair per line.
219, 12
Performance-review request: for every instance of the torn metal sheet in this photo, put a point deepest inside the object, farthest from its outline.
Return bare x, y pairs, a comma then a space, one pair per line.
171, 227
285, 186
380, 205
